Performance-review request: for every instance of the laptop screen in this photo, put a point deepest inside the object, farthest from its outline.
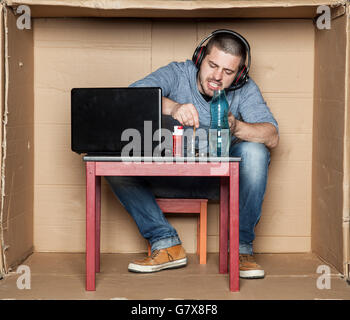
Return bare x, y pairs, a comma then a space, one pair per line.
101, 118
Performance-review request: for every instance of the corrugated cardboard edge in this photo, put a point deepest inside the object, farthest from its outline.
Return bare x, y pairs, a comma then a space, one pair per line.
4, 110
174, 9
346, 187
168, 5
17, 226
2, 264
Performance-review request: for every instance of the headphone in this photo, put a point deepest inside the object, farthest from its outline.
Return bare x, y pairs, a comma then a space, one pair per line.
241, 77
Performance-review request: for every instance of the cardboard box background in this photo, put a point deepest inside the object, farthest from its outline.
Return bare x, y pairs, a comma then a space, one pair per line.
90, 52
330, 161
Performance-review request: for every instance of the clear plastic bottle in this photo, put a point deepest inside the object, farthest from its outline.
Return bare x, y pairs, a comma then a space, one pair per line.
219, 132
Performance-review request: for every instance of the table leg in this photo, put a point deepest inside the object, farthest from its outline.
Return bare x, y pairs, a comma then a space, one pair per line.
234, 226
98, 222
203, 234
198, 236
90, 225
223, 232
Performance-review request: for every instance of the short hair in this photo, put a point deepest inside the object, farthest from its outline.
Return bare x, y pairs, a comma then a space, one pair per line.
228, 44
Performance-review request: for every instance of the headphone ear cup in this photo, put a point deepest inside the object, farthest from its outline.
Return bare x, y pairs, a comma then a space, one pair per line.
240, 77
198, 56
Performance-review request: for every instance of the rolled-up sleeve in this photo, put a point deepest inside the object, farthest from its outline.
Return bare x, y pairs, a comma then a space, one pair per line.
252, 106
165, 77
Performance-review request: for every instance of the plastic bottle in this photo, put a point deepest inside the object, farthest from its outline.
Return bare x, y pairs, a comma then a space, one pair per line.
219, 132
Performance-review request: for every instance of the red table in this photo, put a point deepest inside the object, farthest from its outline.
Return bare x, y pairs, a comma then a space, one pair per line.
226, 168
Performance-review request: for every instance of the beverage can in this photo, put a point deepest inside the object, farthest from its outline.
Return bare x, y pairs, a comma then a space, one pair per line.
177, 141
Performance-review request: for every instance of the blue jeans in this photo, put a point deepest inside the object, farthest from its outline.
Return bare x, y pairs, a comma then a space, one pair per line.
137, 195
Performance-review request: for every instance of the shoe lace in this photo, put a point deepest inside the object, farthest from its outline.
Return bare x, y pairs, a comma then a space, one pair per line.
154, 253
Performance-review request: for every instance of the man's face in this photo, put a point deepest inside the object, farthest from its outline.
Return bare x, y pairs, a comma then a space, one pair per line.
217, 71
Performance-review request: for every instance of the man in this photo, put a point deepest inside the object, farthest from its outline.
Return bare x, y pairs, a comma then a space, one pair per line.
187, 89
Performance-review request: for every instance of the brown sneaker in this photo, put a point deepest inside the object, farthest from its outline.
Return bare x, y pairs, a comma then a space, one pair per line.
172, 257
248, 268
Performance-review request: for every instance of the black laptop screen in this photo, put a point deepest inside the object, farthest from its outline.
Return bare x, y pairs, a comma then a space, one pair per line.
100, 116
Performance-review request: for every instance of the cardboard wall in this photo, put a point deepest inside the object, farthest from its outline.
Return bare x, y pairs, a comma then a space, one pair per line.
2, 98
18, 143
328, 142
346, 207
175, 9
72, 53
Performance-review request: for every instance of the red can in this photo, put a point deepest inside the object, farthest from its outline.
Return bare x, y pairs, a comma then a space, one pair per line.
177, 141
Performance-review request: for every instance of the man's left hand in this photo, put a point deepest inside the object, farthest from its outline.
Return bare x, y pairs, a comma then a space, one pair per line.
232, 122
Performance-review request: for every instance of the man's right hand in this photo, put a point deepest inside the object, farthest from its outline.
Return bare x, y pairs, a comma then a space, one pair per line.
186, 114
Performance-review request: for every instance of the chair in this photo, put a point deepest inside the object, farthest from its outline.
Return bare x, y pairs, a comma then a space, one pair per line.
190, 206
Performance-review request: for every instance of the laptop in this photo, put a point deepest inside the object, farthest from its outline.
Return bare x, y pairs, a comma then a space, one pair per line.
100, 116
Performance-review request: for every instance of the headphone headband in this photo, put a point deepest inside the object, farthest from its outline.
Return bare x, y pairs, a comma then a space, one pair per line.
242, 74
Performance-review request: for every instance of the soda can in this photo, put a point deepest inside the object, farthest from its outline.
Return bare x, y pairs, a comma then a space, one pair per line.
177, 141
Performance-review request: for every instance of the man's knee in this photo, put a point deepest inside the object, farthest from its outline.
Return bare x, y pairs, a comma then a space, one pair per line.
253, 152
255, 159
